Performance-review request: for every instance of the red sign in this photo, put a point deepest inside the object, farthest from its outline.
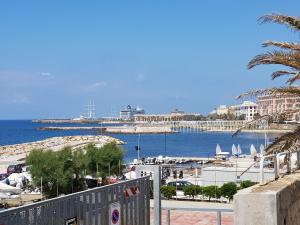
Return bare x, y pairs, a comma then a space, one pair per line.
132, 191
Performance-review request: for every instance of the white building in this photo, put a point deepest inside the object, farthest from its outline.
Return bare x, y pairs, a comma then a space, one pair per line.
129, 112
247, 108
220, 110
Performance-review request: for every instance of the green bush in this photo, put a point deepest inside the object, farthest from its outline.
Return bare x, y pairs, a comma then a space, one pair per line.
228, 190
168, 191
192, 190
246, 184
211, 191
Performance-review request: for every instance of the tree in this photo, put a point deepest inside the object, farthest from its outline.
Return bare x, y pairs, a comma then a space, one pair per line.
168, 191
107, 160
247, 183
228, 190
211, 191
44, 167
192, 190
63, 171
286, 54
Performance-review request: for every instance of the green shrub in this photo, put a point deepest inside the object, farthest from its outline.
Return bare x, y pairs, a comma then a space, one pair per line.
211, 191
246, 184
192, 190
168, 191
228, 190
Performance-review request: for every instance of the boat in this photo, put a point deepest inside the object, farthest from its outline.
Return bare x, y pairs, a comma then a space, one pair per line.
253, 151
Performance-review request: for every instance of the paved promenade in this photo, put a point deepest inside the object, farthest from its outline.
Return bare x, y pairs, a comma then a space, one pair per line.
193, 217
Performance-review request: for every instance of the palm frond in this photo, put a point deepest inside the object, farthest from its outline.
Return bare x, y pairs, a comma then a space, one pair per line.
290, 90
274, 116
285, 45
280, 73
293, 79
251, 124
290, 21
253, 93
286, 58
287, 142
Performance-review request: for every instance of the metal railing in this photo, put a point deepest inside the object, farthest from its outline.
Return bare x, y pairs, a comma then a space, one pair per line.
217, 211
91, 207
282, 164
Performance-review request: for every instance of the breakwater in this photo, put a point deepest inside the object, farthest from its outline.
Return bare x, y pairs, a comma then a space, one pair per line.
119, 129
56, 143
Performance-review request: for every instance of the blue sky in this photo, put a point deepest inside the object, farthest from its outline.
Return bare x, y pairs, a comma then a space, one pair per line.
55, 56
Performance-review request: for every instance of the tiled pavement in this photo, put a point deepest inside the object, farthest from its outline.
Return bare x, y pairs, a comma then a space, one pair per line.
194, 218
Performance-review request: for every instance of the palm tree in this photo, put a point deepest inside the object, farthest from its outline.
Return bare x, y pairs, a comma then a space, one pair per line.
286, 54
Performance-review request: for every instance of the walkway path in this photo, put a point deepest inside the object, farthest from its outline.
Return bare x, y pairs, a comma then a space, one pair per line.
193, 217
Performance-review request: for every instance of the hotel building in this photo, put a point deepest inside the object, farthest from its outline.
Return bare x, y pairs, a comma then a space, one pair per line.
278, 103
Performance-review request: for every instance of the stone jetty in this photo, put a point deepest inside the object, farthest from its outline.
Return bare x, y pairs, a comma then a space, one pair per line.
56, 143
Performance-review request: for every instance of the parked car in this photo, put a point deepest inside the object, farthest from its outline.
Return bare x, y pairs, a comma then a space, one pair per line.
15, 168
179, 184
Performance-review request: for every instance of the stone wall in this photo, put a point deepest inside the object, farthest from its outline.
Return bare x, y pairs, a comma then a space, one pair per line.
276, 203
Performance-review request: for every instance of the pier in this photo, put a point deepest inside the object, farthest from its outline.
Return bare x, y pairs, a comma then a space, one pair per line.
194, 126
119, 129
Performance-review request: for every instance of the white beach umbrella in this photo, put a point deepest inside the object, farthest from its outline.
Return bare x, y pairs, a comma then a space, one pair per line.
262, 149
253, 151
234, 150
218, 149
239, 150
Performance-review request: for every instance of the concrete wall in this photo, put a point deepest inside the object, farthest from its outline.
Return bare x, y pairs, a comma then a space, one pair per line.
220, 175
276, 203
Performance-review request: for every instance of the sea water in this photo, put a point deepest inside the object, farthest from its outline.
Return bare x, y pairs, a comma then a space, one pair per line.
189, 144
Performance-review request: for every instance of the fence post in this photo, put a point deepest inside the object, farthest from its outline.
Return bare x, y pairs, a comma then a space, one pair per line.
276, 174
156, 195
278, 164
219, 218
168, 217
261, 167
288, 163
